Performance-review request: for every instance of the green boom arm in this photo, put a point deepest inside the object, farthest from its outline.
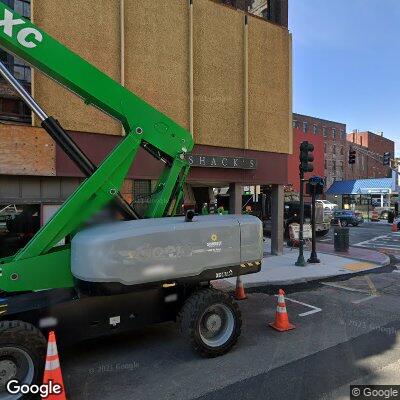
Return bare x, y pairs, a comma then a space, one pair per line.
40, 265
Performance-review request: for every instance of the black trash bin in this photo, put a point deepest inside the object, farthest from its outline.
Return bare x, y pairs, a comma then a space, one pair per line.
391, 217
341, 239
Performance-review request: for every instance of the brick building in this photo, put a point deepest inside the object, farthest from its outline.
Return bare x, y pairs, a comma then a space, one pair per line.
369, 149
293, 160
335, 146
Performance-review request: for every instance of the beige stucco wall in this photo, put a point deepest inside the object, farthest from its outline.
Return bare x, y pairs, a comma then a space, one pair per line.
157, 55
91, 29
269, 87
157, 63
218, 75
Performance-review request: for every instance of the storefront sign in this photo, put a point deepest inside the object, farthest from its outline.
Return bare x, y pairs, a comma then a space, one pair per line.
197, 160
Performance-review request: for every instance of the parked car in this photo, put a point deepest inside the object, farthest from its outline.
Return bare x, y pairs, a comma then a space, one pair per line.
328, 206
347, 217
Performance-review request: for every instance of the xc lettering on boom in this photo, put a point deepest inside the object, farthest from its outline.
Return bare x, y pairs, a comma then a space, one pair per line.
27, 37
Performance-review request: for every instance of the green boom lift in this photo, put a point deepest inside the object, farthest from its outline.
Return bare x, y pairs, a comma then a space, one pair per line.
42, 289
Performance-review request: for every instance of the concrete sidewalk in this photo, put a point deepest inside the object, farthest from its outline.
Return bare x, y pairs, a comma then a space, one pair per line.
281, 270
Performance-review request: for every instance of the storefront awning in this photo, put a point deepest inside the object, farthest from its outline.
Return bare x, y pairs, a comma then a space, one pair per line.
362, 186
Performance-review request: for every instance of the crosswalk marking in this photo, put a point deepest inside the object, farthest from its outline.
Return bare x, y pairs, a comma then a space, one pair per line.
385, 242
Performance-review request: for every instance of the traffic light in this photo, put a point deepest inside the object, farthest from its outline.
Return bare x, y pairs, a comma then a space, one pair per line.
306, 157
352, 156
315, 185
386, 158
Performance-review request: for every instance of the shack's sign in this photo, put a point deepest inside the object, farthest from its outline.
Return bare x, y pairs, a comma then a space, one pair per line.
198, 160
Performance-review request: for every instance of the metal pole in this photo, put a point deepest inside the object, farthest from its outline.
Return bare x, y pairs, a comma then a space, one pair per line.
313, 257
300, 260
28, 99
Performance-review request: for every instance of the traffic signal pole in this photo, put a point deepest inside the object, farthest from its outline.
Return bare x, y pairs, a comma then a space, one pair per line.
306, 158
300, 259
313, 257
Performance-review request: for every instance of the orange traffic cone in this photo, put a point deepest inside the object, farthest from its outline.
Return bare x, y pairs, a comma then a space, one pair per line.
239, 292
52, 371
281, 322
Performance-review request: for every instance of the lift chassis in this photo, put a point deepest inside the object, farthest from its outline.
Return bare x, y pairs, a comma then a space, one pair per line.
38, 289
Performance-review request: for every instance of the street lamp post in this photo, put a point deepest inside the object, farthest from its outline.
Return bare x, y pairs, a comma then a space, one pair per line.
306, 158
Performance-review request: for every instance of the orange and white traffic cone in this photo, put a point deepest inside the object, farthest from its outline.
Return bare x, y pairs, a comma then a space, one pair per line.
52, 371
281, 322
239, 292
394, 226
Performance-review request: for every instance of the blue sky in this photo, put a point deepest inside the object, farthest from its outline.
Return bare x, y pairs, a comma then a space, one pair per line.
346, 62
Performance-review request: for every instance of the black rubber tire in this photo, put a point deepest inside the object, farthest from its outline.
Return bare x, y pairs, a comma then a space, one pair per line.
189, 319
345, 223
28, 338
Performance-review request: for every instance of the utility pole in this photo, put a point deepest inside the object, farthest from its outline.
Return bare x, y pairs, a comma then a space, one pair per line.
306, 158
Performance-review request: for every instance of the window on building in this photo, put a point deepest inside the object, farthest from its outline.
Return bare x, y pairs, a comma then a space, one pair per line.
294, 123
305, 126
334, 133
14, 109
341, 166
141, 194
11, 107
334, 165
325, 165
334, 149
23, 7
315, 129
360, 140
341, 150
141, 188
343, 134
21, 70
324, 131
325, 148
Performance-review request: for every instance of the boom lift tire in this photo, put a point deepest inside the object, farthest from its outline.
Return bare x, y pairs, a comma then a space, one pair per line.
212, 321
22, 354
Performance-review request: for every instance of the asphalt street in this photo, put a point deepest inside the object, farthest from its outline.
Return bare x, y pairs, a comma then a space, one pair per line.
346, 332
372, 235
361, 233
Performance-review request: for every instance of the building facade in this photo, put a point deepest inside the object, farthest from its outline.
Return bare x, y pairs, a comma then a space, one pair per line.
293, 166
220, 71
335, 147
369, 148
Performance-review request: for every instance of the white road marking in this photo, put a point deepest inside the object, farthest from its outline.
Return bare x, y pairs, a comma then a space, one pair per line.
365, 299
313, 311
370, 240
386, 242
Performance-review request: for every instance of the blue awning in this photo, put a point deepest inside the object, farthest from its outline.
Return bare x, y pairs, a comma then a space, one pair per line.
362, 186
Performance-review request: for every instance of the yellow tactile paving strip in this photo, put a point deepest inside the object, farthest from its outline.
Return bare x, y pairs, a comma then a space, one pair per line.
359, 266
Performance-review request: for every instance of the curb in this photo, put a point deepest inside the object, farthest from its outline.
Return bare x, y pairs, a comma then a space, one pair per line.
292, 287
294, 284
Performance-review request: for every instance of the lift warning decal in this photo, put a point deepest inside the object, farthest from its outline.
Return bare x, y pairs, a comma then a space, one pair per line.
3, 306
215, 245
